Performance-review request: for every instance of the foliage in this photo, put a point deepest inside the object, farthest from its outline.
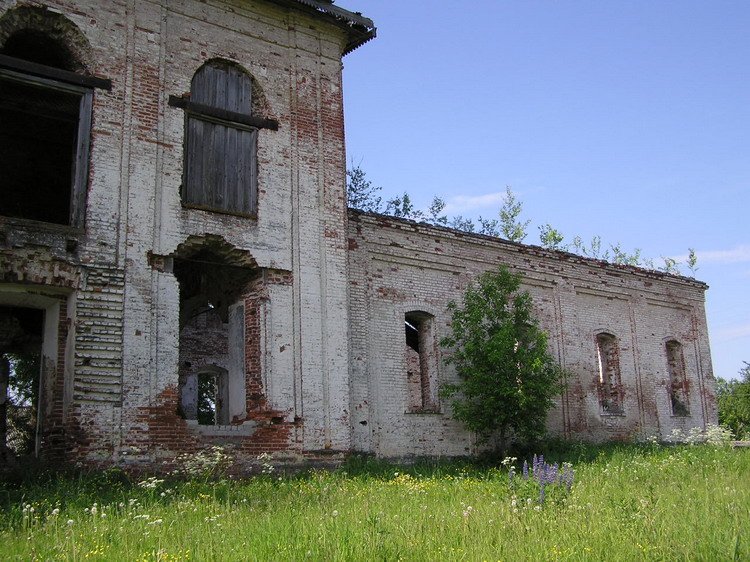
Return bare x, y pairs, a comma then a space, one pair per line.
203, 465
23, 398
692, 261
434, 212
207, 399
627, 503
551, 238
734, 403
716, 435
489, 227
510, 226
403, 208
671, 266
462, 223
361, 194
507, 376
23, 383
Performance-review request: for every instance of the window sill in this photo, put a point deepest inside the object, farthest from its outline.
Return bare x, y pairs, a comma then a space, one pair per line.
244, 430
428, 411
215, 211
612, 414
40, 226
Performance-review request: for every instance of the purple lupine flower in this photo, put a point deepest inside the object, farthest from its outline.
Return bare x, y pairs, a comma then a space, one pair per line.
525, 470
541, 494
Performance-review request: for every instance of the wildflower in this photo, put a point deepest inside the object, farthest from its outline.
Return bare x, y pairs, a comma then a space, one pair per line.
55, 512
335, 513
70, 522
508, 461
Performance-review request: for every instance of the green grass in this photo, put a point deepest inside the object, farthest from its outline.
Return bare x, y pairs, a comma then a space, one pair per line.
627, 503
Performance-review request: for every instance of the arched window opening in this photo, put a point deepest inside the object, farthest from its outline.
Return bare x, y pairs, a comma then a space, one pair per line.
36, 46
420, 354
677, 380
45, 111
221, 140
609, 382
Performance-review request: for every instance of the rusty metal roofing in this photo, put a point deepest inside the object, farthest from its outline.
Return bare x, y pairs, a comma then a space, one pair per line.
359, 28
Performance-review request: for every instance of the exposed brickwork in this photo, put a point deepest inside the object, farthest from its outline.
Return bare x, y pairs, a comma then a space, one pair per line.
396, 266
319, 367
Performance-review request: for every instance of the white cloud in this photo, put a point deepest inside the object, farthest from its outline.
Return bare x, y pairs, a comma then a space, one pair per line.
463, 203
738, 254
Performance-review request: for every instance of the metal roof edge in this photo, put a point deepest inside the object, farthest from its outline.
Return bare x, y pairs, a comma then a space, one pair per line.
359, 29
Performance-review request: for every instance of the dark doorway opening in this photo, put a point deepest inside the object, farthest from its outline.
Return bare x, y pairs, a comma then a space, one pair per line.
21, 337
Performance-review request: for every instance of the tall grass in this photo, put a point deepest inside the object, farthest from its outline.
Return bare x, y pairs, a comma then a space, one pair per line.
626, 503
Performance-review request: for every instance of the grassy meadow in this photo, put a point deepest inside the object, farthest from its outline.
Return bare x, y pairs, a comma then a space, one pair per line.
635, 502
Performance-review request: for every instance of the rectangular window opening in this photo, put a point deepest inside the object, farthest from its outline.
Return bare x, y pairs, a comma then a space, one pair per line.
610, 387
421, 362
44, 143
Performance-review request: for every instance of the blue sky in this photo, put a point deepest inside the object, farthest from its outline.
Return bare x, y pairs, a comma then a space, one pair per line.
627, 120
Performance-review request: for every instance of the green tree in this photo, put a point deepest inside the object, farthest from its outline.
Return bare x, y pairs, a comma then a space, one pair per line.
734, 403
692, 261
435, 210
403, 208
489, 227
361, 194
510, 226
551, 238
507, 376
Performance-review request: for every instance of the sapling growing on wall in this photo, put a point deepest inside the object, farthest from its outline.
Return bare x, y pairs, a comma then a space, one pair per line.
510, 226
507, 377
361, 194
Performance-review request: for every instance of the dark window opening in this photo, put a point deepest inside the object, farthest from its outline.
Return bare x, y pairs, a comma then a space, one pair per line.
207, 399
609, 383
44, 137
212, 399
21, 333
212, 378
420, 355
35, 46
677, 382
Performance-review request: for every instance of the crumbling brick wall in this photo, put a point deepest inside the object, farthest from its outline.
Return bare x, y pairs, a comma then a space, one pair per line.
397, 265
121, 358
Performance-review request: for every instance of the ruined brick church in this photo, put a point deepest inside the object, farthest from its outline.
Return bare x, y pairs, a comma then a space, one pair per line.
176, 250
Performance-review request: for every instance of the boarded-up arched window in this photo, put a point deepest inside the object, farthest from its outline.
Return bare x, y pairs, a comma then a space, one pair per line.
610, 386
220, 154
677, 384
221, 170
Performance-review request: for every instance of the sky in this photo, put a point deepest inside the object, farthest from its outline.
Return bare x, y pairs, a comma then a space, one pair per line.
625, 120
